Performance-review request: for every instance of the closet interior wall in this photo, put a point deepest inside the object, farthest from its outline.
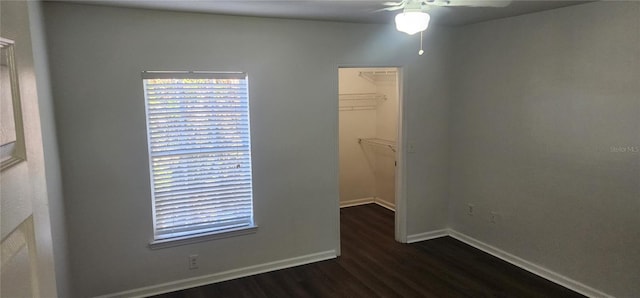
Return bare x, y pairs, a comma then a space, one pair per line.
368, 110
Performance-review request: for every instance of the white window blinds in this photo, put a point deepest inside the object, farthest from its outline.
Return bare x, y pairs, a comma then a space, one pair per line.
200, 152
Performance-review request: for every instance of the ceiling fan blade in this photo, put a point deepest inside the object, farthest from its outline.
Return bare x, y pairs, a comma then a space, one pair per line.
470, 3
393, 3
389, 8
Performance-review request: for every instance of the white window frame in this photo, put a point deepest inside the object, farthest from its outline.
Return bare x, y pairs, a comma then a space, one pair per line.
212, 232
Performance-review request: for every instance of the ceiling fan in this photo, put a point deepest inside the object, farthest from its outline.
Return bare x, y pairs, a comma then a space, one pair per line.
415, 16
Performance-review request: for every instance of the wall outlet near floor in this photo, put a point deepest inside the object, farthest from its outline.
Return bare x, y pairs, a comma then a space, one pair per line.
494, 217
193, 262
470, 210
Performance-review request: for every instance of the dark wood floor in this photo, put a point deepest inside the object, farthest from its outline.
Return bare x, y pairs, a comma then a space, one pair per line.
374, 265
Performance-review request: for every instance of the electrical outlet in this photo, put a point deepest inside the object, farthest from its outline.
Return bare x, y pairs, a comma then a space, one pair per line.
411, 148
494, 217
193, 262
470, 209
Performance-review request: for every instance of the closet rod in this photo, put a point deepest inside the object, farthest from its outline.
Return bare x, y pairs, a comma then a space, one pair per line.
361, 96
378, 142
356, 108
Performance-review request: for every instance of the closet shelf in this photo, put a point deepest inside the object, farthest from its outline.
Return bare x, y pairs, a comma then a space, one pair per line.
356, 108
378, 142
379, 75
359, 101
361, 96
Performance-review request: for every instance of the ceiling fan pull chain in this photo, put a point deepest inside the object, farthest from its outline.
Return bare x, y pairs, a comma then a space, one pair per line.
421, 51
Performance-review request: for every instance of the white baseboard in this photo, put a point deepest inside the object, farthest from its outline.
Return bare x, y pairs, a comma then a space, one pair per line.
357, 202
427, 236
385, 204
223, 276
531, 267
321, 256
368, 200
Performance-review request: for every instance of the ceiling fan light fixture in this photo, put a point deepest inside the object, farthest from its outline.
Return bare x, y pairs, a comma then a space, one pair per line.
412, 22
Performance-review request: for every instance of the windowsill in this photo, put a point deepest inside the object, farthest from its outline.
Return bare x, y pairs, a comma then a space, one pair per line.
184, 240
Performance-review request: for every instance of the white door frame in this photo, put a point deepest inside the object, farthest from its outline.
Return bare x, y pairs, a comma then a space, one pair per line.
400, 183
401, 168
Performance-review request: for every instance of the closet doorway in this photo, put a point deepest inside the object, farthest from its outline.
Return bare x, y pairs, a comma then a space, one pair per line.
370, 134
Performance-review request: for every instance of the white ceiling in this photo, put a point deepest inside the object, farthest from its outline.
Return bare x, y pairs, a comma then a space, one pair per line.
360, 11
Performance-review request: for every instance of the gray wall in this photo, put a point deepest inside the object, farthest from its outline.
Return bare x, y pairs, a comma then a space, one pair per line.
99, 54
538, 103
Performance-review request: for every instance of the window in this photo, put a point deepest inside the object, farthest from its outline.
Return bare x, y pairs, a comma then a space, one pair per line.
199, 153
